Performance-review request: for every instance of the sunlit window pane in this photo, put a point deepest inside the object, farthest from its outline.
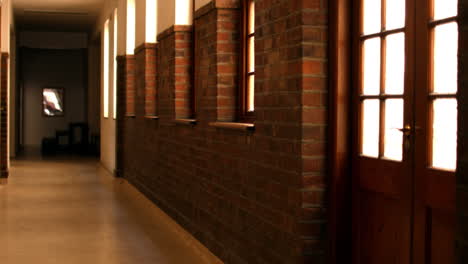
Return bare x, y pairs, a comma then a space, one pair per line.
444, 141
370, 128
372, 16
150, 21
445, 58
251, 17
114, 91
371, 60
251, 54
130, 26
395, 64
445, 8
395, 17
106, 70
251, 93
393, 121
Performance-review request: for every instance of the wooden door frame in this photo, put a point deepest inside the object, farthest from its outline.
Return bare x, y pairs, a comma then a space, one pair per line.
339, 131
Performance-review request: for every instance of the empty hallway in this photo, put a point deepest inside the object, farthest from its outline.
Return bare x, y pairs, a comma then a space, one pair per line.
234, 131
73, 211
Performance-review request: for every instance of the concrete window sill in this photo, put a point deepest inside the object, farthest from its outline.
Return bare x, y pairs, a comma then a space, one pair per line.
187, 122
234, 126
152, 117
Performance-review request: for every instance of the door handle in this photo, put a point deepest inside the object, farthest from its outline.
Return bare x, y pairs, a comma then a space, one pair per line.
406, 130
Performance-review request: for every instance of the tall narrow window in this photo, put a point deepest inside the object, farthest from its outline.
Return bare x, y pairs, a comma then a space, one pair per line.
151, 21
444, 31
247, 93
382, 88
114, 91
105, 70
130, 27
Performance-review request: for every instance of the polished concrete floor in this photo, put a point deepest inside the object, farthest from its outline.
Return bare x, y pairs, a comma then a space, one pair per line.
70, 210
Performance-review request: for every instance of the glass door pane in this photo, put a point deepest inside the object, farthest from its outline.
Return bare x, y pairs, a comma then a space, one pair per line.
371, 64
395, 14
372, 16
370, 128
445, 58
393, 146
444, 134
395, 64
445, 8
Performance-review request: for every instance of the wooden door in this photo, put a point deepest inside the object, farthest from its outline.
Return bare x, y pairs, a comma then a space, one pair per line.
405, 111
436, 49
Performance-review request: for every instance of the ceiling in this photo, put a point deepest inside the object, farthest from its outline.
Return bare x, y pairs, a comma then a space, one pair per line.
56, 15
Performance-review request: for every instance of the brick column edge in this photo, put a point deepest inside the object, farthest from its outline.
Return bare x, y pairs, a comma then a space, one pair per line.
145, 80
4, 171
125, 104
176, 78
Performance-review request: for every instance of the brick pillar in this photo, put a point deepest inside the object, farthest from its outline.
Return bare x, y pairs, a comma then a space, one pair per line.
175, 77
217, 29
291, 95
145, 80
4, 116
462, 171
126, 85
125, 103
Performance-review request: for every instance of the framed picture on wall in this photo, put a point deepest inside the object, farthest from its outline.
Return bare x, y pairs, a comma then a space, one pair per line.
52, 102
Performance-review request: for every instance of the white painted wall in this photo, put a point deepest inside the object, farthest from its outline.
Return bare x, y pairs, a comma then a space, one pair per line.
146, 21
140, 22
6, 23
167, 14
151, 17
129, 23
122, 25
174, 12
108, 125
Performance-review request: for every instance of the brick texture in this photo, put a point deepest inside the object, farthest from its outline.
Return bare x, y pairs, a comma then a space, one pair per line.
4, 171
250, 197
125, 102
216, 67
126, 85
145, 80
175, 74
462, 171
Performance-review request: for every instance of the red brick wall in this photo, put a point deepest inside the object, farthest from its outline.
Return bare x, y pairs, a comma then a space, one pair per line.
291, 96
145, 80
250, 197
462, 171
216, 72
125, 102
4, 116
174, 75
126, 85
